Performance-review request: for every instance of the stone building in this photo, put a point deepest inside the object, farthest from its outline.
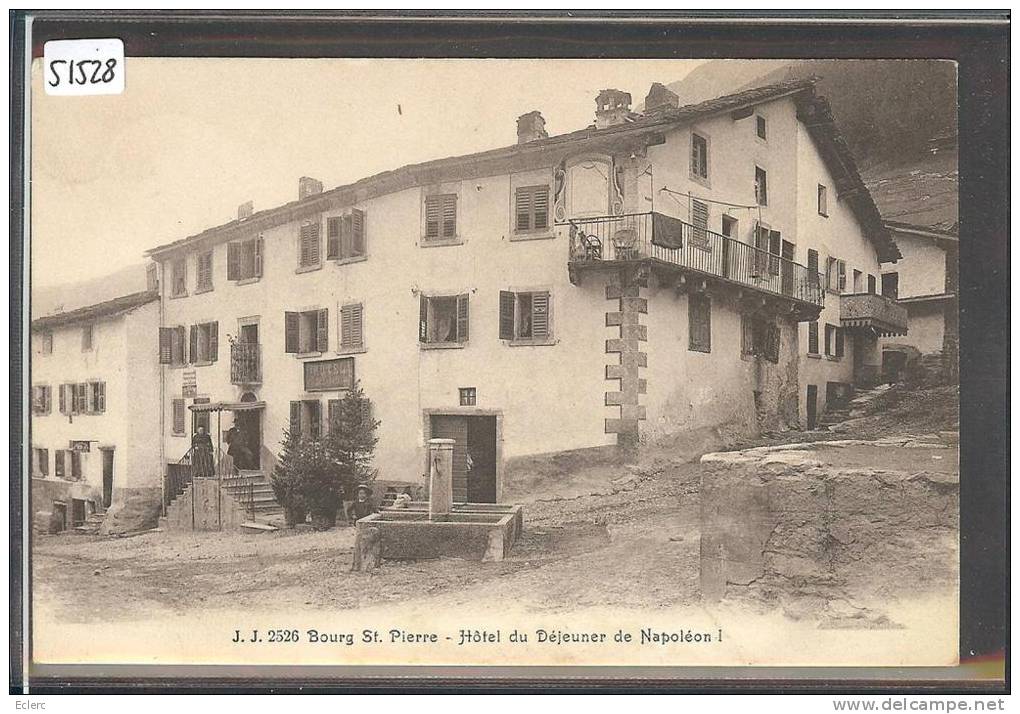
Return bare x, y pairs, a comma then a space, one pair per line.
94, 432
637, 279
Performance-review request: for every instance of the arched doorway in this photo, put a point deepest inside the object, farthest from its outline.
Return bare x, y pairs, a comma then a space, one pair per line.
249, 425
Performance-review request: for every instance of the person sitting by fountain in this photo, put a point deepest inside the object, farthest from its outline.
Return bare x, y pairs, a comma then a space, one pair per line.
362, 505
201, 454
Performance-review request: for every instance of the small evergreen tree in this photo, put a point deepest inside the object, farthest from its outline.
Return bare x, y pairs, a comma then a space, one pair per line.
306, 479
351, 438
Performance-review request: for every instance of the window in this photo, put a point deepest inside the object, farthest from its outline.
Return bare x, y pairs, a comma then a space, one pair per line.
47, 343
823, 201
352, 327
699, 322
835, 275
699, 156
531, 208
858, 281
87, 334
41, 399
58, 463
41, 461
812, 266
179, 277
80, 393
75, 465
306, 332
524, 316
345, 236
244, 259
335, 418
203, 272
761, 186
891, 285
730, 226
306, 418
151, 277
178, 417
872, 287
699, 221
203, 342
443, 320
760, 338
308, 248
441, 216
96, 397
468, 396
833, 341
759, 125
812, 337
171, 345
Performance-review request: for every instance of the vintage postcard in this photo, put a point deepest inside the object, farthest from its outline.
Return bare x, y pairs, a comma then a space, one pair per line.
493, 361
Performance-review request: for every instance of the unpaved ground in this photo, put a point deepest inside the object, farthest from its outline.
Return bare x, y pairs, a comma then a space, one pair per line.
631, 541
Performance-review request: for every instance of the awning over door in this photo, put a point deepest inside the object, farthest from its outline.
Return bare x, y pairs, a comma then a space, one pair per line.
227, 406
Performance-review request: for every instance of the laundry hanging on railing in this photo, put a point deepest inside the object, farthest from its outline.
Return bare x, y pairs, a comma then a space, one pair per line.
667, 232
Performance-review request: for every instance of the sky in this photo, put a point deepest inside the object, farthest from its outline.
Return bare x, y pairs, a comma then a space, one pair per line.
191, 139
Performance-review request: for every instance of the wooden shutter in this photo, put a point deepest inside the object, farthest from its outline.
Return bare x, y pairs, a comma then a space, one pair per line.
310, 244
449, 216
812, 265
333, 237
178, 416
699, 219
48, 397
841, 275
295, 419
524, 203
205, 261
101, 397
214, 339
322, 330
772, 343
259, 252
291, 332
193, 344
346, 237
812, 337
506, 315
58, 463
166, 342
699, 323
233, 260
747, 335
351, 327
423, 319
314, 418
358, 226
62, 398
433, 212
462, 318
332, 415
540, 315
541, 207
761, 244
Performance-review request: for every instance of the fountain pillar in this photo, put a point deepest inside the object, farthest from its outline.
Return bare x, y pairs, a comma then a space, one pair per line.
440, 478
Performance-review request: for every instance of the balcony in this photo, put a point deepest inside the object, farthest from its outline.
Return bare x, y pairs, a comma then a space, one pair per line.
245, 363
875, 313
670, 245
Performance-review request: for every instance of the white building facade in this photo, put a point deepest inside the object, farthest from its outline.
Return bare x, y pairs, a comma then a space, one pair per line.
625, 283
94, 433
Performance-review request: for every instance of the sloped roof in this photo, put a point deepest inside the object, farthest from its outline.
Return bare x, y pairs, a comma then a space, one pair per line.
89, 313
923, 193
815, 113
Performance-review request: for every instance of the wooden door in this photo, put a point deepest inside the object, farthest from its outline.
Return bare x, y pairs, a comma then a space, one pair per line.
107, 477
812, 406
446, 426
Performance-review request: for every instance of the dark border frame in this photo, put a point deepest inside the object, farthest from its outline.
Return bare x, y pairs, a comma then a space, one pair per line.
978, 41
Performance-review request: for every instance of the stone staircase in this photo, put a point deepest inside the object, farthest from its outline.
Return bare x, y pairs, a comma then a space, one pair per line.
854, 409
248, 500
252, 491
91, 524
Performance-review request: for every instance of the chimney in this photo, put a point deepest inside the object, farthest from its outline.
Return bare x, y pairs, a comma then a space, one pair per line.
245, 210
531, 127
660, 99
612, 107
308, 187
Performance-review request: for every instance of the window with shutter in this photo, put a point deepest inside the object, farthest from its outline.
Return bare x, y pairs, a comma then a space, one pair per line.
193, 344
333, 416
839, 343
309, 248
462, 318
358, 231
772, 343
178, 417
441, 216
203, 272
699, 322
351, 331
812, 337
841, 275
313, 416
540, 315
761, 186
295, 419
830, 341
75, 466
234, 260
423, 319
812, 266
531, 208
747, 324
760, 127
179, 277
62, 398
179, 346
58, 463
292, 333
444, 319
760, 263
322, 330
260, 251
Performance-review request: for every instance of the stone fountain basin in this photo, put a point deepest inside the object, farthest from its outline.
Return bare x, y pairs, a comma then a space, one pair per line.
473, 531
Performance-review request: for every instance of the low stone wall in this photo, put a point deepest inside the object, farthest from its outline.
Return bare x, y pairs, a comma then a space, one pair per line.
793, 522
204, 506
132, 510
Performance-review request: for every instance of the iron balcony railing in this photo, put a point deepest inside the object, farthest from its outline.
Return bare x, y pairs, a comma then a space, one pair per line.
245, 363
874, 311
657, 237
